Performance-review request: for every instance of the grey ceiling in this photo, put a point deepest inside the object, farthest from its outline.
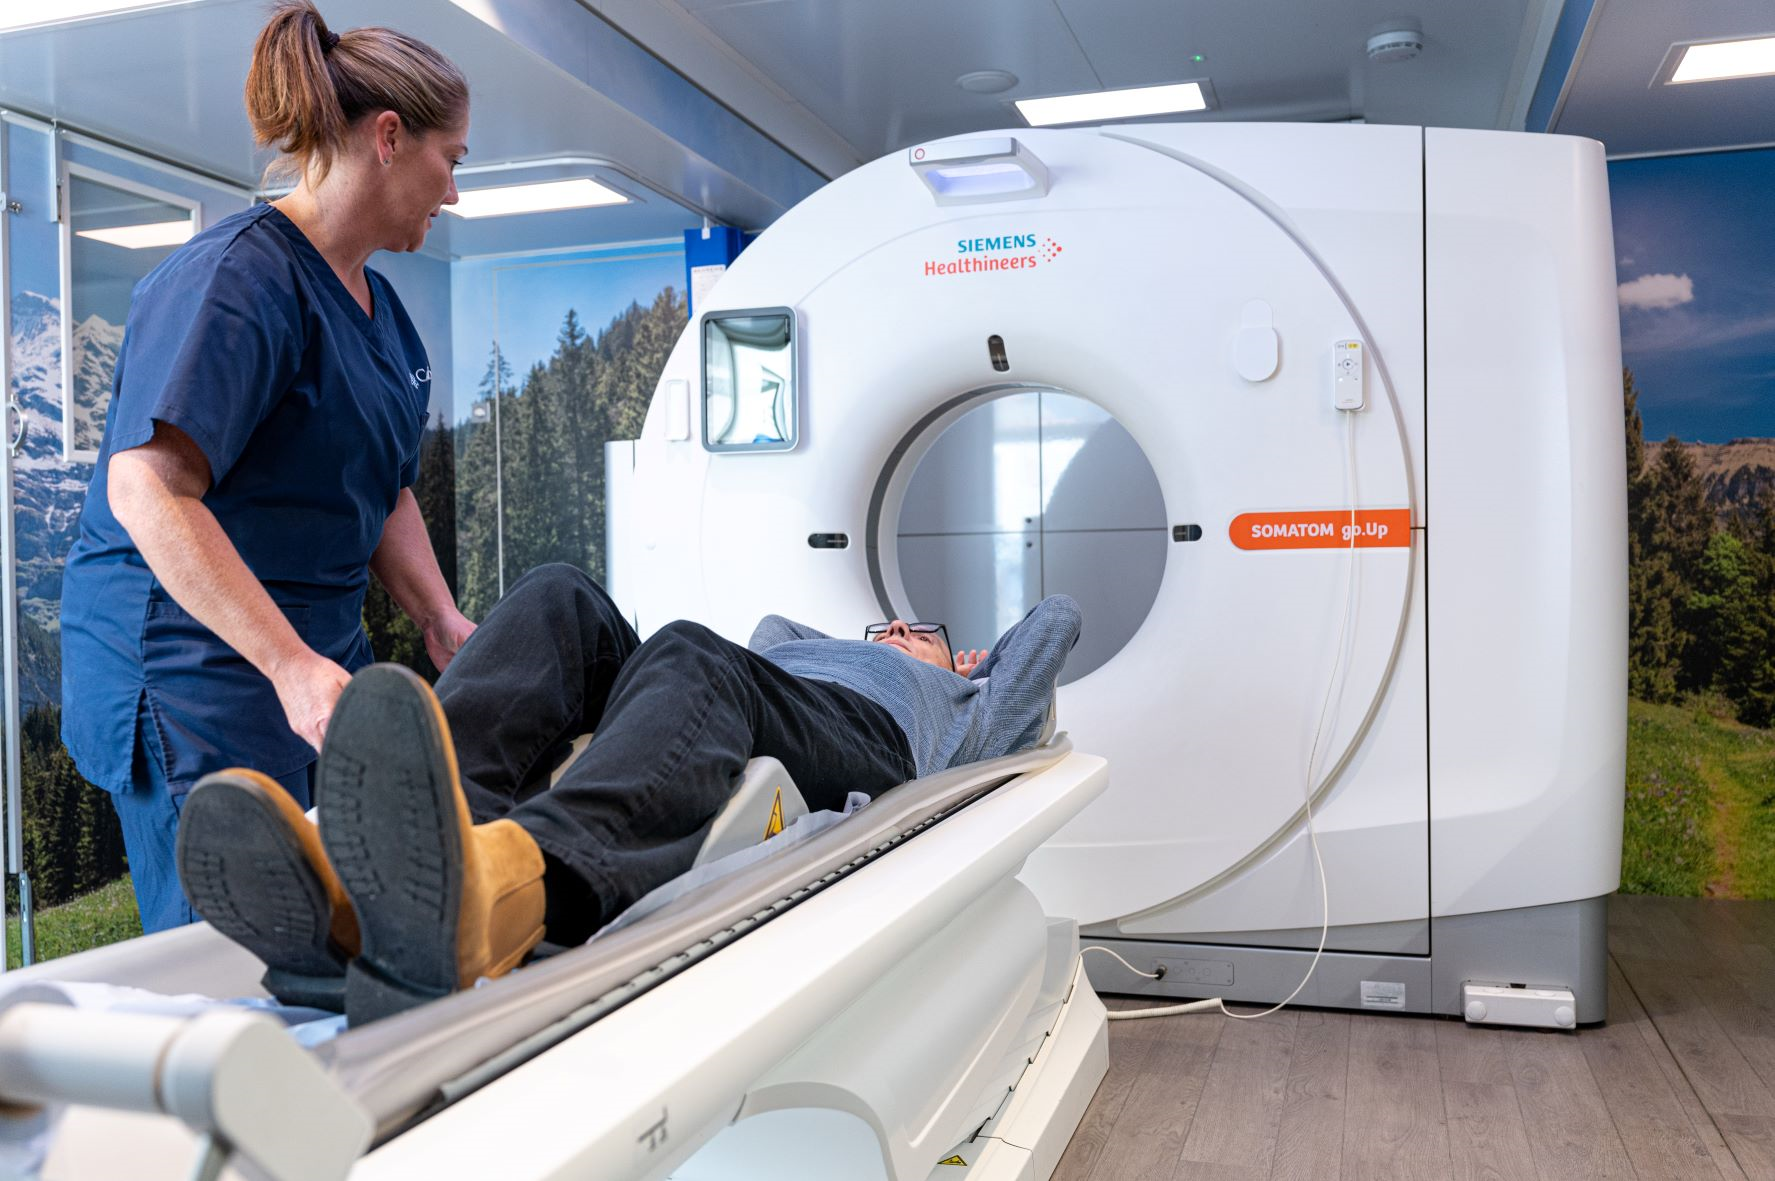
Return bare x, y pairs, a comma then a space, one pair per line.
168, 81
1610, 93
883, 75
741, 107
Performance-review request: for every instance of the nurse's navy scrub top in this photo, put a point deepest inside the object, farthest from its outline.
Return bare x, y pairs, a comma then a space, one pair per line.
310, 413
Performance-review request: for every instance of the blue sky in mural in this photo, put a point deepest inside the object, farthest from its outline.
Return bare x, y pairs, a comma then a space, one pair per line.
525, 299
1695, 259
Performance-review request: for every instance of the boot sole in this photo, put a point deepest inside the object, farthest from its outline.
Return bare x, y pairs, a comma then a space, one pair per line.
245, 873
387, 788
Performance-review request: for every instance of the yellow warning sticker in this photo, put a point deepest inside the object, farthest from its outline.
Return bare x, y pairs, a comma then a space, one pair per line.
775, 824
954, 1160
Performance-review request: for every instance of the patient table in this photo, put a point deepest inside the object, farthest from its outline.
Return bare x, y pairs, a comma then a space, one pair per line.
882, 999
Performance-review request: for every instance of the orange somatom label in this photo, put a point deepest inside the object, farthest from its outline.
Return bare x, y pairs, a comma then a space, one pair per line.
1323, 529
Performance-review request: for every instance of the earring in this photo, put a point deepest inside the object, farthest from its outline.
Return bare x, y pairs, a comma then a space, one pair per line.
387, 160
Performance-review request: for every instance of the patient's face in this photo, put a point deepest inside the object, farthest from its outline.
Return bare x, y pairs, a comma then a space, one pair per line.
920, 645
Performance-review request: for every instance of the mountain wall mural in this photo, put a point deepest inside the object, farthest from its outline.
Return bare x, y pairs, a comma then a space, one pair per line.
47, 490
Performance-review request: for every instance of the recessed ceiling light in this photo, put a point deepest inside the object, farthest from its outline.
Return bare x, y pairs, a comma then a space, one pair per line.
1718, 60
1102, 105
49, 12
141, 237
542, 197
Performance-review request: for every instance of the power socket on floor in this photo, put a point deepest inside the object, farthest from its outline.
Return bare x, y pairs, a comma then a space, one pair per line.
1511, 1004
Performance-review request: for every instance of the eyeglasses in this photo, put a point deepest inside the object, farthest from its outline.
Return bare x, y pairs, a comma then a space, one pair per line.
877, 630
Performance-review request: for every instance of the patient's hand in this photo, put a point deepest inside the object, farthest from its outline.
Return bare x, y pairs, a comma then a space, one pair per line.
967, 661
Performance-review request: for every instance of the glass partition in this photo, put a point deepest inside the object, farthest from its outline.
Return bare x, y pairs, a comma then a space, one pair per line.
749, 395
113, 233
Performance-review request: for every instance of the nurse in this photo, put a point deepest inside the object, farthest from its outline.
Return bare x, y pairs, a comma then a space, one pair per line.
263, 435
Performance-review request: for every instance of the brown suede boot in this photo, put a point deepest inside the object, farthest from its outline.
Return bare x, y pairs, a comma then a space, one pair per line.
500, 919
252, 865
441, 900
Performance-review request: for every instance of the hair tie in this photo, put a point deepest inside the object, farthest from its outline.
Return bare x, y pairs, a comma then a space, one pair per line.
328, 41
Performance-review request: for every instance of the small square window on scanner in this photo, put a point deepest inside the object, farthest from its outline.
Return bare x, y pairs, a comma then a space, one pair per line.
751, 395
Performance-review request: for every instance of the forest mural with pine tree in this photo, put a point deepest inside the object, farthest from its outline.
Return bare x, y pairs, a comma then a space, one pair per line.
553, 426
530, 453
615, 327
1700, 807
1701, 580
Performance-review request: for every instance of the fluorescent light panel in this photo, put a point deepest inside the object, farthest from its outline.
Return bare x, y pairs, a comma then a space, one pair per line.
19, 14
583, 193
141, 237
1103, 105
1726, 59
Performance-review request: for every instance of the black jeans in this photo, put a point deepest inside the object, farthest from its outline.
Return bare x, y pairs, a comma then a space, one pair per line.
675, 717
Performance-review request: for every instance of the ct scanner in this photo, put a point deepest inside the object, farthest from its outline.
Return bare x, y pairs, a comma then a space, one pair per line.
1197, 282
1374, 372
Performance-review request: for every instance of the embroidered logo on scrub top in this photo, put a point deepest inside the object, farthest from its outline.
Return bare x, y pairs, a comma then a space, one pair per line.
419, 376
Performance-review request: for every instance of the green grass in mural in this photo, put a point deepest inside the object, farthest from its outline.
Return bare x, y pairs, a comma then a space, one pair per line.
1700, 804
106, 915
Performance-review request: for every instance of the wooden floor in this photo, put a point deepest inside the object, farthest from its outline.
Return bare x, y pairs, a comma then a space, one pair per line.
1679, 1083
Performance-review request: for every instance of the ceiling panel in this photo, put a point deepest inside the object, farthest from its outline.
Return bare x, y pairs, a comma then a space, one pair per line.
169, 81
1478, 65
166, 80
884, 75
1285, 67
1611, 97
878, 75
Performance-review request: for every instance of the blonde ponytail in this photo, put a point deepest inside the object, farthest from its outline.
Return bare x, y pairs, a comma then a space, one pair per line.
307, 85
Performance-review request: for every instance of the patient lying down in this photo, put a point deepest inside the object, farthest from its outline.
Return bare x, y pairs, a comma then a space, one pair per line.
443, 855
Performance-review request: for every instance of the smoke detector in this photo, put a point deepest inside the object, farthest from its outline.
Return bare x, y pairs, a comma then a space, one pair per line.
1395, 44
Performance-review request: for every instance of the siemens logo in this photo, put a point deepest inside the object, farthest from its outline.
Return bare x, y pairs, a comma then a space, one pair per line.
1008, 242
981, 256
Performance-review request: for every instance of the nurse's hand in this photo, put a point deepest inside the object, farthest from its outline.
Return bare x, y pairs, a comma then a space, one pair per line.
447, 633
308, 688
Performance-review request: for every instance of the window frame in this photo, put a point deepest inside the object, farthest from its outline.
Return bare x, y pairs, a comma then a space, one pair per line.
793, 379
67, 172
